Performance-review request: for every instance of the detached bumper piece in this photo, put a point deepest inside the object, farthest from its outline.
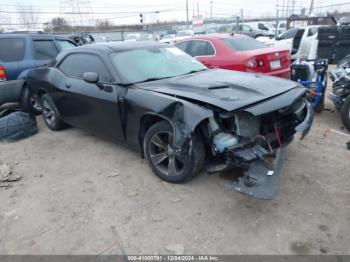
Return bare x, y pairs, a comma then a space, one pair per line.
304, 127
260, 180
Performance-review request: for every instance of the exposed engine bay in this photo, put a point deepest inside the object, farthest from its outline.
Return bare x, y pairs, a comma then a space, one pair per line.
255, 143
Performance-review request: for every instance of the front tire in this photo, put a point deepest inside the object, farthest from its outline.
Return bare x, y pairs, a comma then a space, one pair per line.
30, 103
164, 161
345, 113
50, 113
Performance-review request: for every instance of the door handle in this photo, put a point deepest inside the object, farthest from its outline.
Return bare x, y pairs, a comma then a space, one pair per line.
67, 85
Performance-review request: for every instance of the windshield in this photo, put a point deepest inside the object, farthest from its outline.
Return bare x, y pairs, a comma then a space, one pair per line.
243, 43
140, 65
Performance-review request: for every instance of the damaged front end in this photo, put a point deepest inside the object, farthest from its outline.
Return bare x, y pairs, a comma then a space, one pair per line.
255, 141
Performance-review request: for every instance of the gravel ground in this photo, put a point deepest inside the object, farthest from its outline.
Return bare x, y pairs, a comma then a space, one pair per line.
83, 195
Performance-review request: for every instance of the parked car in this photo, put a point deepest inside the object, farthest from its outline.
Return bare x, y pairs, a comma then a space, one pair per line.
179, 114
83, 38
167, 38
300, 42
20, 52
183, 34
248, 30
138, 37
340, 96
264, 26
281, 27
132, 37
237, 52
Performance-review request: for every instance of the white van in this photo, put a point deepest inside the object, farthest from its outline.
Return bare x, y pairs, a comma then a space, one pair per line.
268, 28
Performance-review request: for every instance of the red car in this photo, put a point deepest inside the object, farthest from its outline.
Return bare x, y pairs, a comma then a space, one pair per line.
237, 52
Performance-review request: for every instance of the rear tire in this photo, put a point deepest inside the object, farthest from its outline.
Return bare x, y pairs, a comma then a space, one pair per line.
50, 113
345, 113
165, 163
30, 103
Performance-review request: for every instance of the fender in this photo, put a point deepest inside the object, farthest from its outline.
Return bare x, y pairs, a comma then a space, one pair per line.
182, 115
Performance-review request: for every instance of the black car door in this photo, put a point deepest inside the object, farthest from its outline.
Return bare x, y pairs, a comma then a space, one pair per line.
85, 105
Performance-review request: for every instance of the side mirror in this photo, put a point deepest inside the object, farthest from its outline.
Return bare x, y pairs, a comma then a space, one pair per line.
91, 77
278, 38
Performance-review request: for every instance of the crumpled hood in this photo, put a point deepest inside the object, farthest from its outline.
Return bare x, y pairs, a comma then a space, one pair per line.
225, 89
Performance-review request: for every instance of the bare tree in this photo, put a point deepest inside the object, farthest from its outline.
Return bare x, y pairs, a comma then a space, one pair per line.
28, 16
5, 21
58, 23
103, 24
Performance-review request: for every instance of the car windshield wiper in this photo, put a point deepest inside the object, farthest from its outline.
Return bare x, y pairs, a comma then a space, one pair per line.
151, 79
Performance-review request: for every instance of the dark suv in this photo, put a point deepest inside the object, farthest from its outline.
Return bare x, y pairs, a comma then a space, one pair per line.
20, 52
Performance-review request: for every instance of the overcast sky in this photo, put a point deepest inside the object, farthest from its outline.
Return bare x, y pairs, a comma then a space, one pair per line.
127, 12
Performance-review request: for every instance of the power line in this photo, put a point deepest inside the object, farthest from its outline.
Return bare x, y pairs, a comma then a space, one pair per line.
97, 13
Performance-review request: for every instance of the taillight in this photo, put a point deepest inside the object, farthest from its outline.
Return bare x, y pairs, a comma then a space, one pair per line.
261, 63
254, 63
2, 73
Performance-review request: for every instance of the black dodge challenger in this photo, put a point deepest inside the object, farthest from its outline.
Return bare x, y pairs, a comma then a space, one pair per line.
180, 115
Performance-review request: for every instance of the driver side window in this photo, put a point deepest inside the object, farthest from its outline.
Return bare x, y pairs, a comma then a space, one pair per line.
76, 65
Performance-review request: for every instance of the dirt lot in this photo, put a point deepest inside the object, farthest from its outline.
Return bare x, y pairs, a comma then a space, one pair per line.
83, 195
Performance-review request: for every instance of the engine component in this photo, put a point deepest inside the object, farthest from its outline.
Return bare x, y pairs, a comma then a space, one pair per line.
221, 140
247, 124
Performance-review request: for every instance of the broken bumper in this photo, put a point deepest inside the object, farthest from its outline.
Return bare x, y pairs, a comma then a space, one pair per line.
304, 127
261, 178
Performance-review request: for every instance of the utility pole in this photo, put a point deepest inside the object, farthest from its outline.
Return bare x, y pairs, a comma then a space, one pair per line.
197, 8
211, 8
277, 18
242, 17
283, 14
193, 8
311, 7
187, 14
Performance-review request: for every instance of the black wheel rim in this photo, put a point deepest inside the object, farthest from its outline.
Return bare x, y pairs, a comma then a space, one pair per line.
162, 155
48, 113
35, 103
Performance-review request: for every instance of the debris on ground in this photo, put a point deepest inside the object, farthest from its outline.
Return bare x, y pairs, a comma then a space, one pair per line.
177, 249
132, 194
7, 176
113, 175
330, 130
176, 200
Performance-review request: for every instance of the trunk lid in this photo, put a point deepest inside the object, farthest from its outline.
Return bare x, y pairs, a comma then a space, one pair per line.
269, 59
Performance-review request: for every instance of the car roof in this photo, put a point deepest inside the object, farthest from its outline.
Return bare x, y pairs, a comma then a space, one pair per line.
32, 35
116, 46
215, 36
